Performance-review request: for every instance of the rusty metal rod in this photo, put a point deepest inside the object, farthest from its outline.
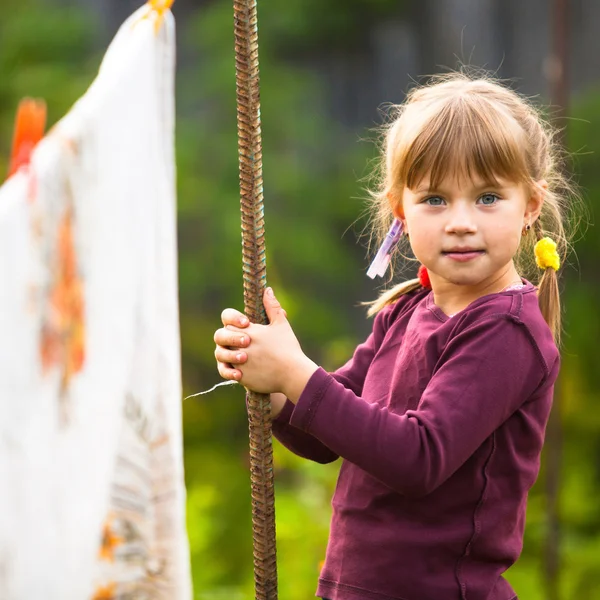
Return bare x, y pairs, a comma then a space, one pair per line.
254, 273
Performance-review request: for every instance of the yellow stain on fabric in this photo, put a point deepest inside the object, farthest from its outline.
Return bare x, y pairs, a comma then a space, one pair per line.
546, 255
155, 12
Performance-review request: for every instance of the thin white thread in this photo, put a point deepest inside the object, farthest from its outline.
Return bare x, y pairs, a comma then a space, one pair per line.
214, 387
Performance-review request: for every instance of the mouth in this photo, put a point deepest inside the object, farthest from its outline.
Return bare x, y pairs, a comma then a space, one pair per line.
463, 255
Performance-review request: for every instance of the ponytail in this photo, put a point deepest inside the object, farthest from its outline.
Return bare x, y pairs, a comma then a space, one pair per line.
392, 295
548, 294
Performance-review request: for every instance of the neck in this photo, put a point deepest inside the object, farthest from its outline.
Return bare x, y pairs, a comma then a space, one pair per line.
453, 297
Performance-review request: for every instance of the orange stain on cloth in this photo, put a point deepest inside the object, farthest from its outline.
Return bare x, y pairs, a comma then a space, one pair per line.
155, 12
110, 540
108, 592
30, 124
160, 6
63, 333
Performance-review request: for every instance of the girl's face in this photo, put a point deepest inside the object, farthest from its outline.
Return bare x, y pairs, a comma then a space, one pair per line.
466, 232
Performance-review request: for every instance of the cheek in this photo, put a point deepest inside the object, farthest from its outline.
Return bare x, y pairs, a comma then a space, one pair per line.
506, 239
423, 244
424, 234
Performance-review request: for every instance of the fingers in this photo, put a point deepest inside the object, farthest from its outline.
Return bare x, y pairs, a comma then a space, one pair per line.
229, 354
230, 316
230, 357
227, 372
231, 338
272, 307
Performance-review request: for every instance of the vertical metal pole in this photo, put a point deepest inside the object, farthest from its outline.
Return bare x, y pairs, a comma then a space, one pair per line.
254, 269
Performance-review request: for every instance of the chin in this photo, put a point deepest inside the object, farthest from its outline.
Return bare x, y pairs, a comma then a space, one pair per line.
463, 279
455, 281
466, 277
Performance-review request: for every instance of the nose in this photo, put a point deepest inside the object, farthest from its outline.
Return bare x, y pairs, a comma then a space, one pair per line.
461, 219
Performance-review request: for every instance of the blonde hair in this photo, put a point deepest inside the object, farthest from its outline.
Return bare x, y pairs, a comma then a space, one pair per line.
463, 126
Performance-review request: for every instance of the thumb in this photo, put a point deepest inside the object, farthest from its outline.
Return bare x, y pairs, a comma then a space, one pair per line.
272, 307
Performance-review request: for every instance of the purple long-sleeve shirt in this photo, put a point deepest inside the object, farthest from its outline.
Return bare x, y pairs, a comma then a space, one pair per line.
440, 422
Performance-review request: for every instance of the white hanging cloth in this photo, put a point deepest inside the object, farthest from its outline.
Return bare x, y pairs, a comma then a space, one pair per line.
92, 501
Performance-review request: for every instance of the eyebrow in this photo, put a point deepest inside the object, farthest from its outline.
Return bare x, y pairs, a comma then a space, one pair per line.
478, 188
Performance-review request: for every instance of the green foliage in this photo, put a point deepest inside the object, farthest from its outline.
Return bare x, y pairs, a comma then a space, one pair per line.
44, 53
310, 26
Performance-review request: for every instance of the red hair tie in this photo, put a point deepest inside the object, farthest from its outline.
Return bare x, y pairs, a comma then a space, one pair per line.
424, 277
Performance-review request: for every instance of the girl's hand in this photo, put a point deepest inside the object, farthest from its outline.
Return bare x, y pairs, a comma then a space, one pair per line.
274, 362
228, 349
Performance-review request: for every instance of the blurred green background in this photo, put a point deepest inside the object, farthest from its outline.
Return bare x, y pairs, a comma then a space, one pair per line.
321, 88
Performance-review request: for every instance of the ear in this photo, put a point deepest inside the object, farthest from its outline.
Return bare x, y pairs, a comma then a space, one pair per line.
396, 205
536, 201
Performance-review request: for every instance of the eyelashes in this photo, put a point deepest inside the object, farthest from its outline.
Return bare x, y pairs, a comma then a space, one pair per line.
493, 195
489, 195
426, 200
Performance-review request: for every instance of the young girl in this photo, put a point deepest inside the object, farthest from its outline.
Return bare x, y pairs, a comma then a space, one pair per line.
440, 414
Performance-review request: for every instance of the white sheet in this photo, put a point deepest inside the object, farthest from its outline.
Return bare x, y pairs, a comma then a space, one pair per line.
91, 468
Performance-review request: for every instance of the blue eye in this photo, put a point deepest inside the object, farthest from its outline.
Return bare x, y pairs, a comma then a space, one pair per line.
489, 199
432, 201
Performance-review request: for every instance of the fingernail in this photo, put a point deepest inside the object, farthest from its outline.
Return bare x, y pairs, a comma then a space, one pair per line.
243, 321
270, 291
242, 340
238, 357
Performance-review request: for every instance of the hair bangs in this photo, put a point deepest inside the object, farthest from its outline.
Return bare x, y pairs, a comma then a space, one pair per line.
465, 139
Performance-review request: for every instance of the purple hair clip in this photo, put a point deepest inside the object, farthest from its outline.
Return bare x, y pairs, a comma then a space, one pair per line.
382, 258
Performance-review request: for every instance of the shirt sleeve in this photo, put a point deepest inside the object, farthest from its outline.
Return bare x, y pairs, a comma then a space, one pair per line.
484, 374
350, 376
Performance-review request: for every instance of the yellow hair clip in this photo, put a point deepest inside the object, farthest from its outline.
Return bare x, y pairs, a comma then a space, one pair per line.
546, 255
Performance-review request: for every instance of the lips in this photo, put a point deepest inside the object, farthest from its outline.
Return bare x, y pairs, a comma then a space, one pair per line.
463, 255
461, 251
